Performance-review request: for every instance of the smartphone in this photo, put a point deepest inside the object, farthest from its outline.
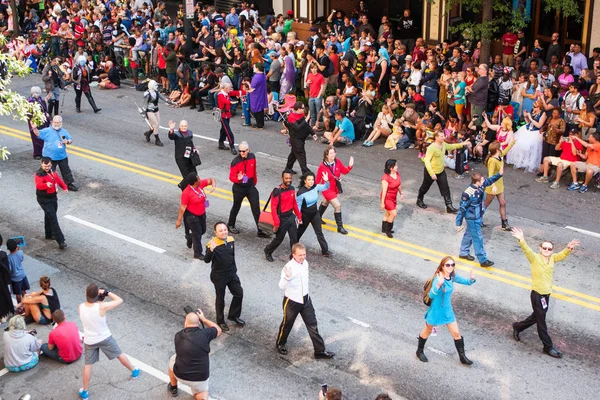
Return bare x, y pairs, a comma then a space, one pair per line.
324, 389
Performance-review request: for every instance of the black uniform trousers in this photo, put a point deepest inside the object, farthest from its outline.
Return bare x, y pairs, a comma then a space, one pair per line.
226, 133
185, 167
291, 309
51, 227
311, 215
65, 170
197, 224
241, 191
442, 182
260, 118
537, 317
235, 288
287, 225
297, 153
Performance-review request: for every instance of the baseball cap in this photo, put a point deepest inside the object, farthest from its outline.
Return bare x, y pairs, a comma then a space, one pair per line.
290, 12
544, 68
219, 70
536, 50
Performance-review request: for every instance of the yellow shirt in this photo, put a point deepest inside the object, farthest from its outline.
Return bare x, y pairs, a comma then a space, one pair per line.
434, 157
494, 165
542, 272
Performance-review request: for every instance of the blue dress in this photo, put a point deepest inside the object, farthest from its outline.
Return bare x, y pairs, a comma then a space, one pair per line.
527, 102
440, 312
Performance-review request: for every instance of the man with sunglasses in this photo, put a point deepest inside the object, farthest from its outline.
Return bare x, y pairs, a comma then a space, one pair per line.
542, 271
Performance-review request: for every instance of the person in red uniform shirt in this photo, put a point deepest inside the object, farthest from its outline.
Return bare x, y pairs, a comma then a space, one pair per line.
242, 173
47, 183
193, 209
391, 184
283, 208
224, 104
299, 130
64, 343
334, 169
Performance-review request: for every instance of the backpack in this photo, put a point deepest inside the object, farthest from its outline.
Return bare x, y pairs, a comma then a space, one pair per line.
142, 86
426, 288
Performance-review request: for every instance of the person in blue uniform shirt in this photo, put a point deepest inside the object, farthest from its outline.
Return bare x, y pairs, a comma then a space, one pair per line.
440, 310
307, 198
471, 210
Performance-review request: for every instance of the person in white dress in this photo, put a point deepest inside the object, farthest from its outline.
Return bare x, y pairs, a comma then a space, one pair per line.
527, 152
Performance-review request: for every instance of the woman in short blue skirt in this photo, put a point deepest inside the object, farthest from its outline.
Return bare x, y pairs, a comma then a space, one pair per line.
440, 312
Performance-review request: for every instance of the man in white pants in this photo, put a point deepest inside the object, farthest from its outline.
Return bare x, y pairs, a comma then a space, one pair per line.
97, 336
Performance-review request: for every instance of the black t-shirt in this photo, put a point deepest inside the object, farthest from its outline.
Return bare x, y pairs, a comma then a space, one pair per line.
325, 61
192, 347
395, 79
490, 136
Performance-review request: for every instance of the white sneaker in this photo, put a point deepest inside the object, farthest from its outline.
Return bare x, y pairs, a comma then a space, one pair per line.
555, 185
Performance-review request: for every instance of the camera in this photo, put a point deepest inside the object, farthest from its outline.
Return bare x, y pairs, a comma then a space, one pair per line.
32, 332
324, 389
102, 296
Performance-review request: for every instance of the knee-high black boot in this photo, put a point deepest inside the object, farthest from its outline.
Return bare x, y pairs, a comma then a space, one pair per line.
322, 209
50, 108
340, 225
388, 229
421, 349
449, 207
460, 347
92, 102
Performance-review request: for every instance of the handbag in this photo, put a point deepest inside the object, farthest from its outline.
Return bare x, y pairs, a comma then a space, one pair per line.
195, 158
265, 219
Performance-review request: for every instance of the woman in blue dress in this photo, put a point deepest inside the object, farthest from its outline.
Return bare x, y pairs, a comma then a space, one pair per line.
440, 312
530, 92
307, 198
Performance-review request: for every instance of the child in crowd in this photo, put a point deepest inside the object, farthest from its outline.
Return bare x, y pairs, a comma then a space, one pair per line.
19, 282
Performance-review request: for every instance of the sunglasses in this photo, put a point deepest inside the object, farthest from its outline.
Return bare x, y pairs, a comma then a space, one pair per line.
547, 248
243, 151
449, 265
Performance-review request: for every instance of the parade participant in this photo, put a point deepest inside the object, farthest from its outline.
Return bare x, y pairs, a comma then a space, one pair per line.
542, 272
242, 173
56, 138
47, 183
494, 163
97, 336
471, 210
527, 153
184, 150
150, 111
434, 170
299, 130
40, 305
440, 311
391, 184
220, 251
193, 209
38, 144
334, 169
283, 208
307, 198
190, 364
82, 75
258, 95
224, 104
294, 281
64, 343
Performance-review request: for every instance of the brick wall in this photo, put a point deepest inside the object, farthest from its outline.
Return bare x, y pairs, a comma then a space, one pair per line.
343, 5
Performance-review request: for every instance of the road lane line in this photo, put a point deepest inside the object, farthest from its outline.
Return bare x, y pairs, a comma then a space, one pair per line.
3, 372
364, 235
357, 322
589, 233
438, 351
116, 234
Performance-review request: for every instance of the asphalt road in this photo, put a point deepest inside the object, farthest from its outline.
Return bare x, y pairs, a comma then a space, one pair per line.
367, 297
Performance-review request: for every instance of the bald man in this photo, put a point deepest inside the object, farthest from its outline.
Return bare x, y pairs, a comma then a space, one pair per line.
190, 364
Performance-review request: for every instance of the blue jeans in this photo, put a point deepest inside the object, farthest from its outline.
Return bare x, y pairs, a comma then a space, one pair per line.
53, 354
473, 237
246, 111
172, 80
314, 105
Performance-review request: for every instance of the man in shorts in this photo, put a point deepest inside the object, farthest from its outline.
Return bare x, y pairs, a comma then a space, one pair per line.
190, 364
592, 165
343, 132
570, 149
97, 336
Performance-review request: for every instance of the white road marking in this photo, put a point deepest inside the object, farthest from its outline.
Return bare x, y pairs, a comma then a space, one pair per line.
210, 138
115, 234
357, 322
150, 370
589, 233
3, 372
438, 352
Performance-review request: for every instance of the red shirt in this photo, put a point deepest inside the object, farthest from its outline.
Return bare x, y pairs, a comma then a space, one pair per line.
333, 172
224, 102
42, 178
66, 338
285, 202
194, 198
296, 116
316, 83
247, 166
510, 39
567, 151
335, 59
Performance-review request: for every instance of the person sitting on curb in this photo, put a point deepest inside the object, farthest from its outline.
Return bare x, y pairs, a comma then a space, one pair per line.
64, 343
20, 347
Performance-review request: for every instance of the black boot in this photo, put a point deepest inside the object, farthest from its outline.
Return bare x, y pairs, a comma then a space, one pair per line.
147, 134
420, 203
50, 107
449, 207
77, 109
460, 347
157, 141
388, 229
92, 103
340, 225
420, 349
505, 225
56, 104
233, 150
322, 209
383, 225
